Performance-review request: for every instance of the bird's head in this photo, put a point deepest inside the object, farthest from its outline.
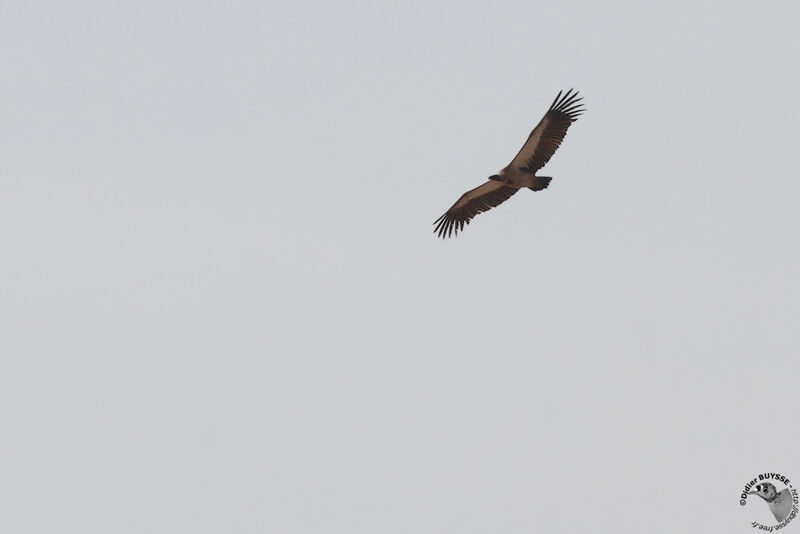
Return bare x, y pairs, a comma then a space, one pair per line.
766, 491
498, 178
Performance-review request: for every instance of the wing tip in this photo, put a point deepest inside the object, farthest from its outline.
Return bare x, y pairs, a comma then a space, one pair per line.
569, 104
448, 226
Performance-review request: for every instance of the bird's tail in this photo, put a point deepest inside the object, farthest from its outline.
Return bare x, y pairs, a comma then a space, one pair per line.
540, 182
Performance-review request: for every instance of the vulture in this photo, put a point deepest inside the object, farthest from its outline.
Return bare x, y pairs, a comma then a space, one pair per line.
521, 172
780, 504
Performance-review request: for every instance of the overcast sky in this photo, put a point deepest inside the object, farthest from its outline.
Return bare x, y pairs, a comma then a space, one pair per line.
223, 309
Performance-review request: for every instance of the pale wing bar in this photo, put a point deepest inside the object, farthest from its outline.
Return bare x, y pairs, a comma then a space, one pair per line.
471, 203
545, 139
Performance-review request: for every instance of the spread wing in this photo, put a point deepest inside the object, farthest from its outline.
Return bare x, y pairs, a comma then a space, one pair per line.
545, 139
471, 203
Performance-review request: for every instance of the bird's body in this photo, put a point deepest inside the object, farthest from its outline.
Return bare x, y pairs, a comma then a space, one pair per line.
521, 172
519, 178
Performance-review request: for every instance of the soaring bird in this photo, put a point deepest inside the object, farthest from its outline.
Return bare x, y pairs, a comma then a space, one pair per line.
521, 172
780, 504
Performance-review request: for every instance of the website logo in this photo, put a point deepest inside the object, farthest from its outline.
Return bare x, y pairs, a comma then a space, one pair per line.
776, 492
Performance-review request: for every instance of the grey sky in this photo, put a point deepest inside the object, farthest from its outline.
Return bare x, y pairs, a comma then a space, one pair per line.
223, 308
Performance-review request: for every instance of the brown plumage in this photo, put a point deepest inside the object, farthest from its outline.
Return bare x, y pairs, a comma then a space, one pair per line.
542, 143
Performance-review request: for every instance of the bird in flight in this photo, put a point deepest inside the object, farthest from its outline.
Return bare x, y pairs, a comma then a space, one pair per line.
521, 172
